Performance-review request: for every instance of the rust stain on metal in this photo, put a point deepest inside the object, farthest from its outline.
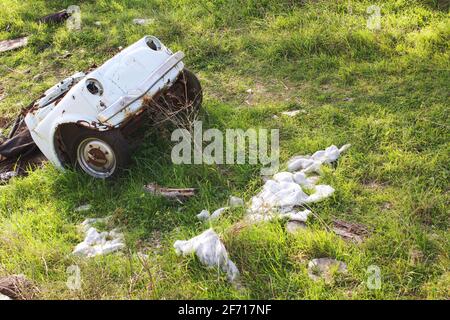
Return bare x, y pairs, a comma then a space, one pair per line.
94, 125
58, 100
97, 157
84, 123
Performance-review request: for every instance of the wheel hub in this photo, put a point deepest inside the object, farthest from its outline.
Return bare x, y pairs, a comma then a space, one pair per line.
96, 158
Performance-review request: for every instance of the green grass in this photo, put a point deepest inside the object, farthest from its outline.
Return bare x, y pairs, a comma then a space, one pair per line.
308, 55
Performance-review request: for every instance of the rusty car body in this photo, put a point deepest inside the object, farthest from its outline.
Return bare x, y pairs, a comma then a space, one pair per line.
79, 120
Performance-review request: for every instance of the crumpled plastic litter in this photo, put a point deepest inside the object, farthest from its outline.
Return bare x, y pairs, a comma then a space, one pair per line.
286, 189
210, 251
286, 194
98, 243
321, 191
277, 200
6, 176
292, 113
82, 208
308, 164
143, 21
278, 194
234, 202
305, 181
298, 177
204, 214
300, 216
217, 213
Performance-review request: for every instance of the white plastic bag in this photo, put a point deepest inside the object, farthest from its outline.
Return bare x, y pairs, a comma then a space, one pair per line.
210, 251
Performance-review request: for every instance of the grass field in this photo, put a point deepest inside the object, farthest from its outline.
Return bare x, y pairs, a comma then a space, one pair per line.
384, 91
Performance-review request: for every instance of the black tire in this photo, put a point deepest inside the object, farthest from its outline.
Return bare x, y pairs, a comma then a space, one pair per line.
186, 91
94, 145
194, 88
180, 103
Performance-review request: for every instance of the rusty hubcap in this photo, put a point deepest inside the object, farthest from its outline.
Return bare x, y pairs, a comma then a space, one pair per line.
96, 158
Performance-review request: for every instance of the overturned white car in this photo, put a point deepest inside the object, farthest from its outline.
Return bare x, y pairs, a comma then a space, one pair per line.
80, 121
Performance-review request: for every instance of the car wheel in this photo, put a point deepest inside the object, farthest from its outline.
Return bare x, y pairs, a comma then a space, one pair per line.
100, 154
180, 104
193, 92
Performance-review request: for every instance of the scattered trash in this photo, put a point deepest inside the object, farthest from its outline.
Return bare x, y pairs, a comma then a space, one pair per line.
7, 45
57, 17
236, 202
348, 99
350, 230
249, 91
170, 193
285, 195
98, 23
216, 214
278, 194
292, 113
321, 191
304, 181
6, 176
17, 287
299, 178
285, 191
292, 215
98, 243
324, 268
82, 208
283, 177
210, 251
143, 22
300, 216
308, 164
203, 215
